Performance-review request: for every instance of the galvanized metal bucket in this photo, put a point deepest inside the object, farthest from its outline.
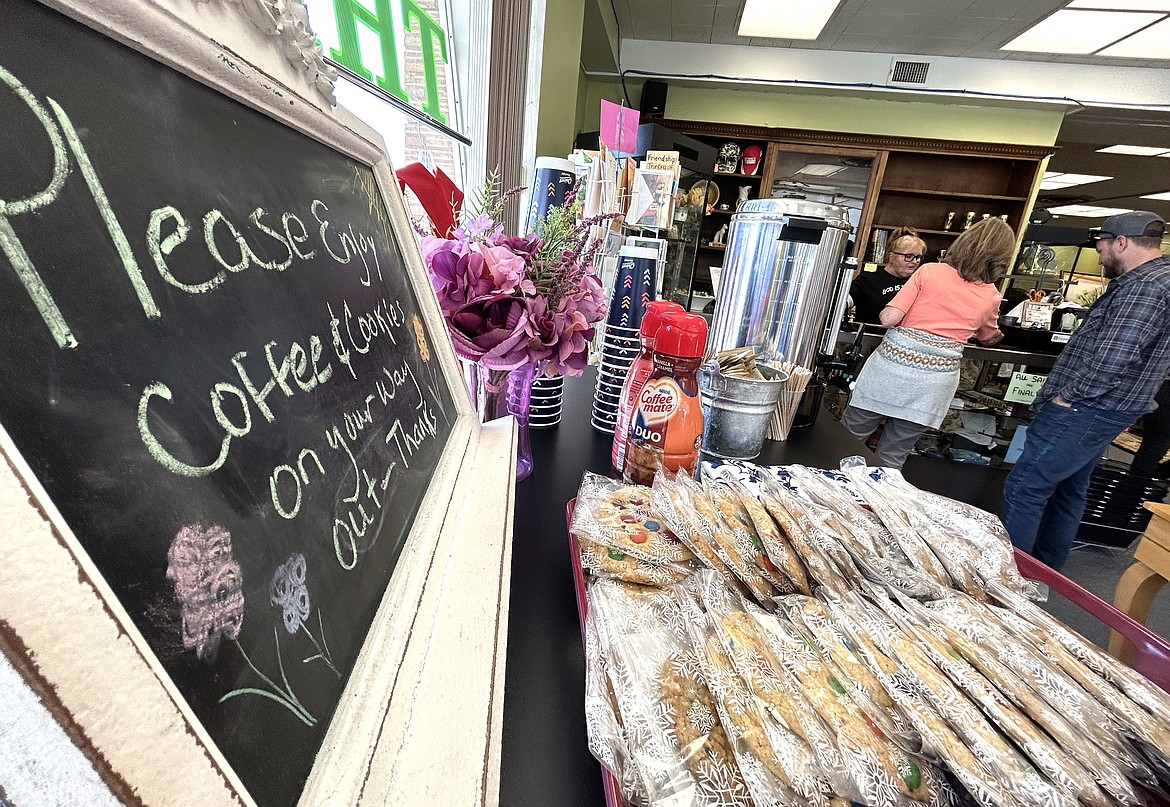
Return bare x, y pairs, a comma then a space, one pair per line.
736, 411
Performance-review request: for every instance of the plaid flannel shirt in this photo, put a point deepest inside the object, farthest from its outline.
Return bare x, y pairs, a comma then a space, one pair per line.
1120, 355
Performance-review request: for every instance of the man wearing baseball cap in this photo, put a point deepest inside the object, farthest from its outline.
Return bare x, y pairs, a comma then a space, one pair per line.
1104, 380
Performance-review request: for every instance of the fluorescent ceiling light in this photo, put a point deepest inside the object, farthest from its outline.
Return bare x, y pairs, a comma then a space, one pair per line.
1074, 31
1087, 211
1148, 44
793, 20
1162, 195
1140, 151
1055, 179
821, 169
1123, 5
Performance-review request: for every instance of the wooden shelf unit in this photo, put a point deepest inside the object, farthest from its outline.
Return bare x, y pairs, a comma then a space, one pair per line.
729, 184
755, 176
914, 181
921, 189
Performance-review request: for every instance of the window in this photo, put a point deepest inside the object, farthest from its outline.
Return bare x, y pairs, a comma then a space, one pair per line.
396, 62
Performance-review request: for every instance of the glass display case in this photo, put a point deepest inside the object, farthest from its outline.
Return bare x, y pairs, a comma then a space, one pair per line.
682, 251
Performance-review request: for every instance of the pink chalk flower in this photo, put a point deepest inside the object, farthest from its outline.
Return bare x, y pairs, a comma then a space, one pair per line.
209, 586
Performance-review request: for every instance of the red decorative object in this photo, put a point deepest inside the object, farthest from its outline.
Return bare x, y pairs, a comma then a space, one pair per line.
437, 194
751, 159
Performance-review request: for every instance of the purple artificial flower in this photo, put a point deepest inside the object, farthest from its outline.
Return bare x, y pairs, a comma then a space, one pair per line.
458, 277
508, 301
542, 329
527, 246
572, 346
462, 274
492, 331
480, 228
507, 269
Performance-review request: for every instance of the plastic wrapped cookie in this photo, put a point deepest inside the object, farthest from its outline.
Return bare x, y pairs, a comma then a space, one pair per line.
604, 561
622, 517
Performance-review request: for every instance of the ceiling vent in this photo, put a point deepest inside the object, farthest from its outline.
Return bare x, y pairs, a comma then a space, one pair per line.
902, 72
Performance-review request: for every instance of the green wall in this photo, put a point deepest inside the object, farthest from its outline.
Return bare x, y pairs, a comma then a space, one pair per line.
944, 118
560, 74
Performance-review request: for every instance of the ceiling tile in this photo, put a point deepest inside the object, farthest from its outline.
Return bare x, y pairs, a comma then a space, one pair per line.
690, 33
875, 8
881, 25
970, 28
862, 44
692, 15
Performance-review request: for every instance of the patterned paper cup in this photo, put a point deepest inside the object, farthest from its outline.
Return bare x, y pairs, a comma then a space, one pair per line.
633, 286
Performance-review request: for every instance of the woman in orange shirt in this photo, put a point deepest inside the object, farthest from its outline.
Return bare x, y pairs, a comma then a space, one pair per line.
911, 378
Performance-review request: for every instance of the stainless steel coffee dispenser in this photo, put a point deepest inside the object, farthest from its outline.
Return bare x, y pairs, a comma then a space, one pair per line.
782, 287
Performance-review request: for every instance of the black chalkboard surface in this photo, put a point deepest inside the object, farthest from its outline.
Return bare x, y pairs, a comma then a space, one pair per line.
212, 361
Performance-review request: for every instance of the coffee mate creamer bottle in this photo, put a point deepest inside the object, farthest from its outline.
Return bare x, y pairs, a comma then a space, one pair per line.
667, 427
637, 375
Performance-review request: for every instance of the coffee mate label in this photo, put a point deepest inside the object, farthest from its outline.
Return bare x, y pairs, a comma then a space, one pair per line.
657, 403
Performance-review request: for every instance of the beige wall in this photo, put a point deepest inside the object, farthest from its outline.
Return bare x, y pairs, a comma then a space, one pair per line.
806, 109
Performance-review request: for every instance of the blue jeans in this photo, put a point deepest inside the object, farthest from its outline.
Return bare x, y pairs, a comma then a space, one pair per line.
1044, 495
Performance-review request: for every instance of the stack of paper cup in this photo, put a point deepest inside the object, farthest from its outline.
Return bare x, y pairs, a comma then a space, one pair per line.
545, 407
553, 180
633, 288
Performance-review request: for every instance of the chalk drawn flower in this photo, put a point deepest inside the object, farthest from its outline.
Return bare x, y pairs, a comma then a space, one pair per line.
209, 586
289, 592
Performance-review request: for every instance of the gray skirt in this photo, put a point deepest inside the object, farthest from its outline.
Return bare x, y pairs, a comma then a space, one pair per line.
912, 375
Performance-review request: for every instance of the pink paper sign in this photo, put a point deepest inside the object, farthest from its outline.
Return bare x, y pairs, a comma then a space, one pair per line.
619, 127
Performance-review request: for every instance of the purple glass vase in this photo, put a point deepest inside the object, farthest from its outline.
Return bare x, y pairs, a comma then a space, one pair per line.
498, 393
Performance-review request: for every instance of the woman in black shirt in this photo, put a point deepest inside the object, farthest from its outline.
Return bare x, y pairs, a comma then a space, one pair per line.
872, 291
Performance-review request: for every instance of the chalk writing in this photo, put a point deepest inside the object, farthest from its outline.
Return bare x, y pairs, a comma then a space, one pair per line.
305, 367
408, 437
300, 477
13, 250
167, 229
216, 356
117, 235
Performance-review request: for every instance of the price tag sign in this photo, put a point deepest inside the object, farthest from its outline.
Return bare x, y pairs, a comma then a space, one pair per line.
1024, 387
1036, 315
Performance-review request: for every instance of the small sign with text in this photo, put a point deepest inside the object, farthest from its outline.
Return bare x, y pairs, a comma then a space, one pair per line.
1024, 387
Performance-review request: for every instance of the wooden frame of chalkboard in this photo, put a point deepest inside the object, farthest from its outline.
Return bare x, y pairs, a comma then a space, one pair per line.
213, 624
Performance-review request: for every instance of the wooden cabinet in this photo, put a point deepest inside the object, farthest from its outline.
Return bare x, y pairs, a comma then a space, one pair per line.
699, 292
916, 181
939, 194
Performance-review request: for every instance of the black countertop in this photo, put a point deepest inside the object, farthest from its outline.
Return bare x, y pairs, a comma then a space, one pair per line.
1003, 353
546, 762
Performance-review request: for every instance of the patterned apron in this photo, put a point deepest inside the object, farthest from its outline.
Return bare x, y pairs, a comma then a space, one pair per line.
912, 375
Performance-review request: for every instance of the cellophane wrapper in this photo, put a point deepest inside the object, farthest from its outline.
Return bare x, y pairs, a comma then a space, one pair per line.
854, 676
680, 751
621, 536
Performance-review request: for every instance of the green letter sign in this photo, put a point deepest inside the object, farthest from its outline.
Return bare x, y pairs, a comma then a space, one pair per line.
429, 33
351, 13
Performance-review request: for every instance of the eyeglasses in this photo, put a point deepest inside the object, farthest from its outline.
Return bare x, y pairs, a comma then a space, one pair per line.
906, 256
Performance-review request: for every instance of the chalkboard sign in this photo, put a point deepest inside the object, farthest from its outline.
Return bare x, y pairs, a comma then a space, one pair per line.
212, 361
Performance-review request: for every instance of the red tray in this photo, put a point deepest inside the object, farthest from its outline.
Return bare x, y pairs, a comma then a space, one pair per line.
613, 790
1153, 652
